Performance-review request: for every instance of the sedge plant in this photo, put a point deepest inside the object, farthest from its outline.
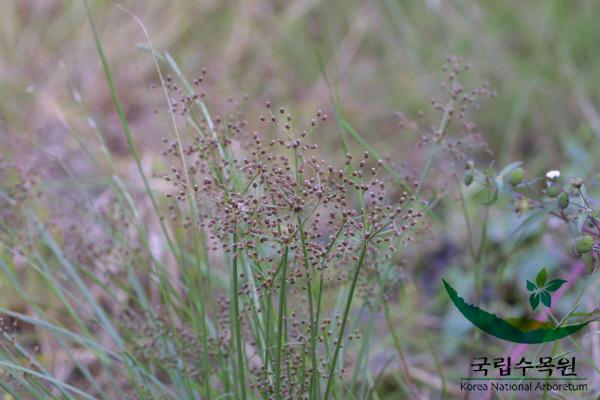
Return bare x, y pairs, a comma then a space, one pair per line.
243, 268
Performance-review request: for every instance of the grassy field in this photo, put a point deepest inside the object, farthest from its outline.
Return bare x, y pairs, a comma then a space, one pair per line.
260, 199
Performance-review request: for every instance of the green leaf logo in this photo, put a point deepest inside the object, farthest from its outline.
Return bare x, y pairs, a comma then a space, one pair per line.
518, 330
540, 279
554, 285
542, 291
534, 300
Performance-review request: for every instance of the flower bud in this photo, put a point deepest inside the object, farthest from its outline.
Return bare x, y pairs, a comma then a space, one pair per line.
468, 178
553, 191
563, 200
583, 244
516, 176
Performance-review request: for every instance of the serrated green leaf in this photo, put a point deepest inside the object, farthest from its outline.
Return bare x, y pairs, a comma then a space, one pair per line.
541, 277
519, 330
554, 285
546, 298
531, 286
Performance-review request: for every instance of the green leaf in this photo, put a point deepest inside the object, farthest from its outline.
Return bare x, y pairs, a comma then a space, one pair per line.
531, 221
554, 285
541, 277
509, 168
546, 298
487, 195
531, 286
534, 300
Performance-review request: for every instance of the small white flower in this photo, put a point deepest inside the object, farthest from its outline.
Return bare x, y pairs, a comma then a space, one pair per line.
554, 174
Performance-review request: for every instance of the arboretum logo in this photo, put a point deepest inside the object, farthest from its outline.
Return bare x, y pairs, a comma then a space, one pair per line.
557, 374
521, 329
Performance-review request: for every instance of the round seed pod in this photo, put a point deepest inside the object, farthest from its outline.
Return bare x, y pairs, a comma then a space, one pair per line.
468, 178
516, 176
553, 191
563, 200
583, 244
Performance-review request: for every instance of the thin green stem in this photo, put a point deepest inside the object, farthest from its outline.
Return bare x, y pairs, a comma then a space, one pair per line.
336, 352
467, 220
280, 326
399, 350
125, 125
236, 322
313, 327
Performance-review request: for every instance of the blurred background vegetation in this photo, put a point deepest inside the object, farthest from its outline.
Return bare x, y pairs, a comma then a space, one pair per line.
542, 58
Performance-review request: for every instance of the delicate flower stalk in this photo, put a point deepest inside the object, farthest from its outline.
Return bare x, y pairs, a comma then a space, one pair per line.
237, 331
340, 339
280, 324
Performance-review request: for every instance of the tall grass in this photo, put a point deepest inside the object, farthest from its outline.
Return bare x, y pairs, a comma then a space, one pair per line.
148, 345
259, 274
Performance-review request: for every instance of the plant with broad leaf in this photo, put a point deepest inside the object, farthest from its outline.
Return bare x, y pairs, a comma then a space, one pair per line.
572, 201
542, 291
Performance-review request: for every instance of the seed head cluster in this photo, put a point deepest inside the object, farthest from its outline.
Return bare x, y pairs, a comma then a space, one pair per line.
264, 195
261, 233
